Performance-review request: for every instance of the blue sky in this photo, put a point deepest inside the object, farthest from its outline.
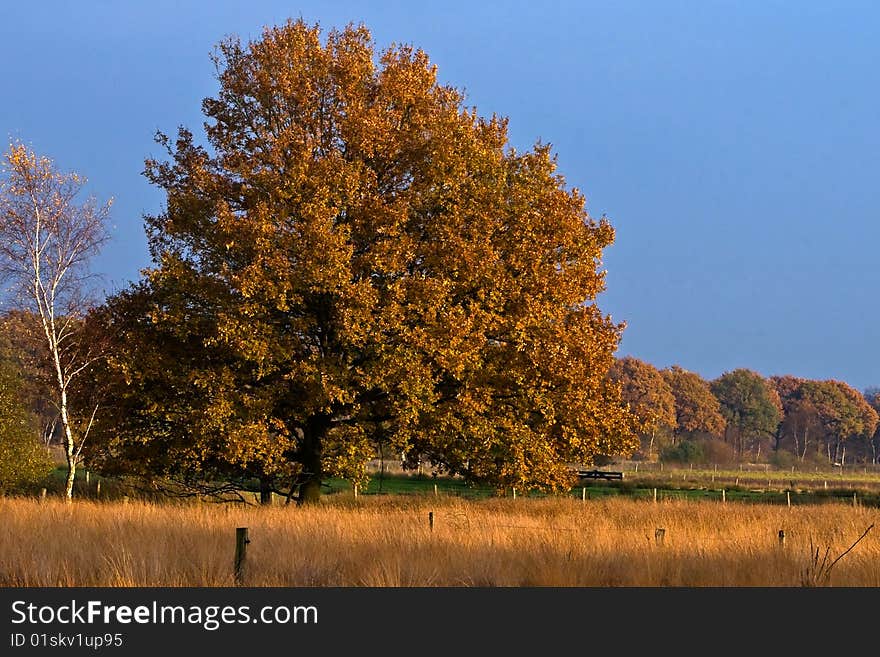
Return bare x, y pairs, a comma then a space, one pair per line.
735, 146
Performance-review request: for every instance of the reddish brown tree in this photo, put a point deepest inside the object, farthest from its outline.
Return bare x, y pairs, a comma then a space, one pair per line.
647, 395
696, 408
801, 422
865, 419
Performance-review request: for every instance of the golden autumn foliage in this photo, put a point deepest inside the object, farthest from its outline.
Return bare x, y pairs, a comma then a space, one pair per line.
646, 393
830, 413
357, 258
696, 408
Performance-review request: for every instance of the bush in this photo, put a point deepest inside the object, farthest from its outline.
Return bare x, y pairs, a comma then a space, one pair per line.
687, 451
718, 451
783, 459
24, 463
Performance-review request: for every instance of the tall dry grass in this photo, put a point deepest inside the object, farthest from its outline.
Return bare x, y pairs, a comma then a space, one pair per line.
382, 542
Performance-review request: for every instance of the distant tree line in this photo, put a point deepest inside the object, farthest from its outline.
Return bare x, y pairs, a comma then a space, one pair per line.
743, 416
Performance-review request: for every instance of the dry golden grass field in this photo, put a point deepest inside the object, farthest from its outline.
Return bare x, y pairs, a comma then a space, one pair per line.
387, 542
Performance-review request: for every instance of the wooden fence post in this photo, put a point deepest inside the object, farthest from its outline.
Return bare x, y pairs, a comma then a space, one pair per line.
241, 543
655, 496
723, 495
98, 489
514, 492
355, 491
659, 535
788, 498
42, 494
435, 490
584, 494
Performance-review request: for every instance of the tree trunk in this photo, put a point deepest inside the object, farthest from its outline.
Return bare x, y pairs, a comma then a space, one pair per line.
310, 457
382, 466
806, 441
69, 448
265, 491
310, 490
71, 475
62, 379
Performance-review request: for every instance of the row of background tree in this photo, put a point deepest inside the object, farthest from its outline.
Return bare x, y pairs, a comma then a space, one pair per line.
742, 416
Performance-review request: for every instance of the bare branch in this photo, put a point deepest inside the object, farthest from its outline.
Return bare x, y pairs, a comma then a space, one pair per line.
86, 432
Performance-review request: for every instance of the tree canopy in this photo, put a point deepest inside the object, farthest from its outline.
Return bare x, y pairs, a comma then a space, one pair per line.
842, 413
750, 404
696, 409
646, 393
355, 258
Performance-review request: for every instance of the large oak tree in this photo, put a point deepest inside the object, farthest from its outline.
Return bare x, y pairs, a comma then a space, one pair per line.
356, 256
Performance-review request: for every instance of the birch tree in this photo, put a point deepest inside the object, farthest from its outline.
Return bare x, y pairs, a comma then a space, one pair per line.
47, 238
